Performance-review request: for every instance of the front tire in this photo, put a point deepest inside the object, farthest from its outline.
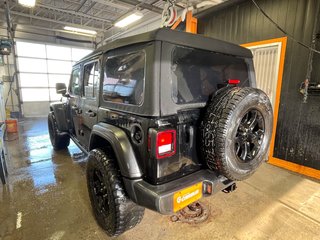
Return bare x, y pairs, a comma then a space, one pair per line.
58, 139
112, 208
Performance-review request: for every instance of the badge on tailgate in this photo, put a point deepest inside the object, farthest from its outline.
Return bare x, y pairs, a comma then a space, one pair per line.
187, 196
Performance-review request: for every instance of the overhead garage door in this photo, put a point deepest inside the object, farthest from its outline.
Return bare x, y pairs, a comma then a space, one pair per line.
41, 66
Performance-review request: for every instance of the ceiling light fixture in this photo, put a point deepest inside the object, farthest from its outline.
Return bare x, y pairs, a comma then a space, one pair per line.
80, 30
27, 3
129, 19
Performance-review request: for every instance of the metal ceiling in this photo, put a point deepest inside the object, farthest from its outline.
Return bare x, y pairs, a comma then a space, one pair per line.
98, 15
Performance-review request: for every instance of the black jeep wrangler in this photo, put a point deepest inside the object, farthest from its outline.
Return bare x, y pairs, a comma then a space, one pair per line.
166, 118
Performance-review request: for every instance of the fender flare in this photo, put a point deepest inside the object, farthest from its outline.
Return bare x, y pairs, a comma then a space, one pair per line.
121, 146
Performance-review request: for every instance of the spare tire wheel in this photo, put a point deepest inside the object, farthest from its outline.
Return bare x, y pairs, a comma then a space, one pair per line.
236, 131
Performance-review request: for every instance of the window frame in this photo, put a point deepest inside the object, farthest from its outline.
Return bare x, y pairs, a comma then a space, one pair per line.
94, 61
77, 67
151, 104
110, 56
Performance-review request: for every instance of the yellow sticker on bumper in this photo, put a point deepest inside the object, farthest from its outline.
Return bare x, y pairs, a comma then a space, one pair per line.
187, 196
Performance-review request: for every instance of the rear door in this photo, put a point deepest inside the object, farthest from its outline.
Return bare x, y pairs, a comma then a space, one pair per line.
89, 100
189, 78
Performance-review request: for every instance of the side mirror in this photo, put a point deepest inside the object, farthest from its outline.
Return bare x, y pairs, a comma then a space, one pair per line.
61, 88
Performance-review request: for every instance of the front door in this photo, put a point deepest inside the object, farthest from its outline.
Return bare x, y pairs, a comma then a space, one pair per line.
89, 101
75, 103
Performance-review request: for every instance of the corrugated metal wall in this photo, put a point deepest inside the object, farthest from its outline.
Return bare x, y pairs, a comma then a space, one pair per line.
298, 129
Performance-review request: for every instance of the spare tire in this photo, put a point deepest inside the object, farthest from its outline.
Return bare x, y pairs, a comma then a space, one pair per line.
235, 131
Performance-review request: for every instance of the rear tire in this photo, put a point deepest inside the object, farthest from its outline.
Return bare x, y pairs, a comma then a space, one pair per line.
59, 140
236, 132
113, 209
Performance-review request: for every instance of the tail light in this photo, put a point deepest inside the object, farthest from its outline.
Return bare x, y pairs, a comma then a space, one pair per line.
234, 81
165, 143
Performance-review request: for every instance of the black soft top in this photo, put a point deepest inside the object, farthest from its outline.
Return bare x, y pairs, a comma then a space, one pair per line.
179, 38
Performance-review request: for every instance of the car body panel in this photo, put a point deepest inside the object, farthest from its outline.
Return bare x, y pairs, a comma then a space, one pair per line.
94, 123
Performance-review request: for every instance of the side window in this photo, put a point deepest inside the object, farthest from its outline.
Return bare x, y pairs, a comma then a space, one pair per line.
124, 78
91, 79
75, 82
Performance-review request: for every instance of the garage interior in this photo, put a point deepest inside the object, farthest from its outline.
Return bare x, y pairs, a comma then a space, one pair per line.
44, 192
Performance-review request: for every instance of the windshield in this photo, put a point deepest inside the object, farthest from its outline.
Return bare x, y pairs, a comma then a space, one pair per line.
197, 74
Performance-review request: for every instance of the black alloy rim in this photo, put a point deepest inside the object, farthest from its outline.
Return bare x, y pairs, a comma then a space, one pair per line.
249, 135
100, 193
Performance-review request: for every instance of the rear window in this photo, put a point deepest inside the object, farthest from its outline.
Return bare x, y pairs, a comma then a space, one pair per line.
197, 74
124, 78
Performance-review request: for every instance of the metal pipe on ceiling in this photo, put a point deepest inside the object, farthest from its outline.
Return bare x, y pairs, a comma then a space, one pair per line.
143, 5
81, 5
218, 7
73, 13
127, 4
90, 7
46, 29
115, 4
93, 39
52, 20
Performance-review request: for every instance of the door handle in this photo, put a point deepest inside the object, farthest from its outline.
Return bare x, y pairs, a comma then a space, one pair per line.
90, 113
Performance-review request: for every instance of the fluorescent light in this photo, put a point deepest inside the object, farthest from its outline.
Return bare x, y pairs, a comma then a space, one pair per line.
27, 3
129, 19
80, 30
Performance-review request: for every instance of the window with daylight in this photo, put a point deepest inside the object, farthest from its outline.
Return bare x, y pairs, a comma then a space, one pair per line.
41, 66
75, 82
91, 79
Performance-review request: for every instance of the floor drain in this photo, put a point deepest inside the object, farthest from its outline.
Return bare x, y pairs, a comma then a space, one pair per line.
194, 213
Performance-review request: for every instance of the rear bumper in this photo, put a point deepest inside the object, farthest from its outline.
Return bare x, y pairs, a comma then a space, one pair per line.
160, 197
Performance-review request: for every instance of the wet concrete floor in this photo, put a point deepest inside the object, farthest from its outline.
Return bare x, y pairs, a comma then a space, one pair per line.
46, 198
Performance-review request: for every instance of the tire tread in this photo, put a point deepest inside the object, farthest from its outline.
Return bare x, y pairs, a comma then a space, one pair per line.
124, 207
214, 124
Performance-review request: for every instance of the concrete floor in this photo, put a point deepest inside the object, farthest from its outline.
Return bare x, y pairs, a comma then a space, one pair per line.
47, 192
